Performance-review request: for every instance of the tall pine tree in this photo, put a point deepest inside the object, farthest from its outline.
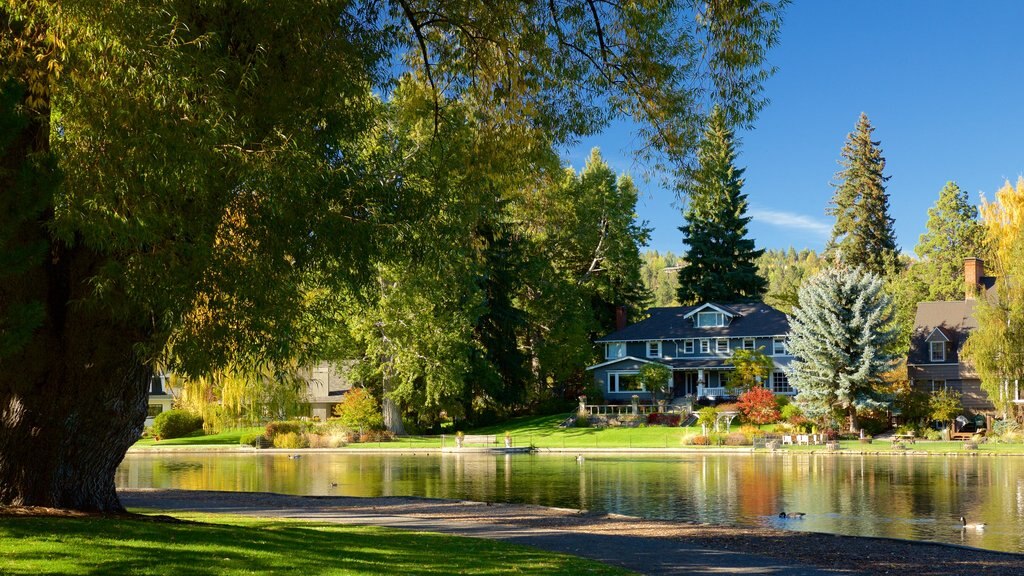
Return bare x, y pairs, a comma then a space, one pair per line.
720, 259
953, 233
863, 234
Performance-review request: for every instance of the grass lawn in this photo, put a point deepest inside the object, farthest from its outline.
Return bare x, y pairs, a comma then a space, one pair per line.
224, 544
543, 432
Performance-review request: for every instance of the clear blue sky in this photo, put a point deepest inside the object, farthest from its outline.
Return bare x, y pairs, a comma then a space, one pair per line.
942, 82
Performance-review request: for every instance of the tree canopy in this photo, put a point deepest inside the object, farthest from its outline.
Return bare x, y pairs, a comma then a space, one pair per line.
952, 234
841, 337
214, 184
863, 234
720, 260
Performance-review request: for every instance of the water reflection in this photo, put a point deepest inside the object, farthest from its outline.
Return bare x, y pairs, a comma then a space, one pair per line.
919, 498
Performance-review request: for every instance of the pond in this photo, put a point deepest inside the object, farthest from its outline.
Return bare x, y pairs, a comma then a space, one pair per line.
913, 497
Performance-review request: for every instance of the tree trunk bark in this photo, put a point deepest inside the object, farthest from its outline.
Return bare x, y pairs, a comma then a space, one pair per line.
392, 416
72, 393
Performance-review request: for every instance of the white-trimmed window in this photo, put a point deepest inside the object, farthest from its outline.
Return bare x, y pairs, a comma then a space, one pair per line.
710, 319
614, 350
721, 344
779, 347
748, 343
938, 351
780, 383
654, 349
937, 385
687, 346
705, 346
624, 382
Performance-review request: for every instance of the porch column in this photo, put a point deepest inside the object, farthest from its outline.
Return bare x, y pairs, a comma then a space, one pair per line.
700, 382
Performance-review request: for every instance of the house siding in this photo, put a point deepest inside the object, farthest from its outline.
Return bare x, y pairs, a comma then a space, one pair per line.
958, 378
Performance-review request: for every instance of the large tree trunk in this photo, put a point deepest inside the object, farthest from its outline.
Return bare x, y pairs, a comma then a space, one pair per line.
72, 393
392, 416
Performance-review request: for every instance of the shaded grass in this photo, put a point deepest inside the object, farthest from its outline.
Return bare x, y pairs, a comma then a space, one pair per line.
225, 544
227, 437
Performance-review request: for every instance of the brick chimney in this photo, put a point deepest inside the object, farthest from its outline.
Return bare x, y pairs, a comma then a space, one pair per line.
620, 317
974, 269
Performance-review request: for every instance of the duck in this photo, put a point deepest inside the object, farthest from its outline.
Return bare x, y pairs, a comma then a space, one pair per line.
294, 456
966, 526
794, 515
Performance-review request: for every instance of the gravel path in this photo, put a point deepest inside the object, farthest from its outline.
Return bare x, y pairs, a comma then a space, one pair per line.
645, 546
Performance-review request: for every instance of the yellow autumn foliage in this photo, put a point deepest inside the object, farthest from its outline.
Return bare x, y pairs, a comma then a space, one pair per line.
1004, 223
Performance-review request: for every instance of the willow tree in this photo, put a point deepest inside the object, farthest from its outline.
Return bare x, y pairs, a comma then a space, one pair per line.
996, 347
181, 172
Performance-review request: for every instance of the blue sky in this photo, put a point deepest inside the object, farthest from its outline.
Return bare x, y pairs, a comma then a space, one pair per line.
943, 84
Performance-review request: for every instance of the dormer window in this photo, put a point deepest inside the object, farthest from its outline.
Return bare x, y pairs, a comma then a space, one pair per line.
614, 350
654, 349
710, 319
938, 351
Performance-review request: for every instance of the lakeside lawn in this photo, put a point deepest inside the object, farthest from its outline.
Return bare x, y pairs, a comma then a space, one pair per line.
227, 545
543, 432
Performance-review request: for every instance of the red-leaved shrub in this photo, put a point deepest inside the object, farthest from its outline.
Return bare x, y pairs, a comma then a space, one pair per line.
758, 406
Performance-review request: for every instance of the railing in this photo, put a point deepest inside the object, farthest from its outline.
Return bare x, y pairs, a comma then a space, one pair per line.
627, 409
708, 391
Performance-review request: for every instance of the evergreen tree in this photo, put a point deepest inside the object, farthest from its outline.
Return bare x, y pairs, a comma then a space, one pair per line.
953, 234
720, 259
863, 234
842, 337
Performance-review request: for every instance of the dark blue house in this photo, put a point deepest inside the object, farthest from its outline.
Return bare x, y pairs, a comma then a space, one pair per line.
696, 342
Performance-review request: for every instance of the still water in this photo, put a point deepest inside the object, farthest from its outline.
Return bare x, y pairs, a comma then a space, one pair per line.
919, 498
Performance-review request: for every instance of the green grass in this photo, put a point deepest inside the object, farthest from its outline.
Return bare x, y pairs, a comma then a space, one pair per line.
543, 432
228, 437
227, 545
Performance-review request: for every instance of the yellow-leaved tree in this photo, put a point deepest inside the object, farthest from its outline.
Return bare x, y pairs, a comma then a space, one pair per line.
996, 347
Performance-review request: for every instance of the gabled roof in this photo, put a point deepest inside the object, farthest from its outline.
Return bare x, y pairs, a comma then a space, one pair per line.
954, 320
717, 307
674, 323
941, 333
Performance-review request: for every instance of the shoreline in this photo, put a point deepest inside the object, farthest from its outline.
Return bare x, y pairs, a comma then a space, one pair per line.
620, 536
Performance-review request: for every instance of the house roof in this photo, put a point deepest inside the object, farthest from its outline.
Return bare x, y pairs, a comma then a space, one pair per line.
953, 319
672, 323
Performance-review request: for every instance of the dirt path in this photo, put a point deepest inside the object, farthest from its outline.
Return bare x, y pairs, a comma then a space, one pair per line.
648, 547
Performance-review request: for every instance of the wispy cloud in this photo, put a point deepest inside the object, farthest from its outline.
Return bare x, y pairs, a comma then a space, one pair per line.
784, 219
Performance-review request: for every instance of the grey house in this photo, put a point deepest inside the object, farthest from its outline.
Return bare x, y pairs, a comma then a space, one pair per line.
940, 331
696, 342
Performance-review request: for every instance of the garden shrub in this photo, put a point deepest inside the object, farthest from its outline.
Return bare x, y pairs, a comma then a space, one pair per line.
752, 431
359, 411
737, 439
324, 440
700, 440
583, 421
376, 436
660, 419
758, 406
1003, 427
933, 435
251, 439
273, 429
175, 424
290, 440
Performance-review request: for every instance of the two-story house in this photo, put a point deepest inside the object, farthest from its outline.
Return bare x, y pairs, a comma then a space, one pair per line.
940, 331
696, 342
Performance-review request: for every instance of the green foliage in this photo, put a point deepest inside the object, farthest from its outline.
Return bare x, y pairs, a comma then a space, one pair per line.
841, 336
251, 439
175, 424
952, 234
785, 271
706, 417
274, 429
944, 405
292, 440
655, 378
658, 278
359, 410
751, 368
582, 421
720, 259
791, 413
758, 406
863, 233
